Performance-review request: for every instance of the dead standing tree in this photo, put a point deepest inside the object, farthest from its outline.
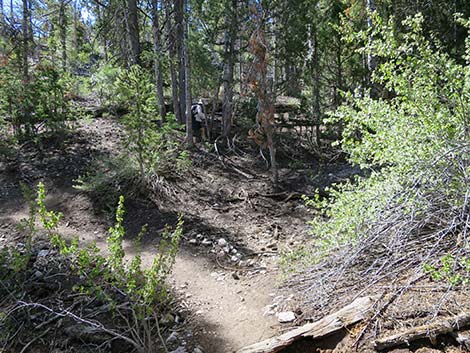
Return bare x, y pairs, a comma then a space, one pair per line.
263, 134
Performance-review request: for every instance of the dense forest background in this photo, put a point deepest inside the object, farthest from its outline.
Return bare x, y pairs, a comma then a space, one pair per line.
353, 115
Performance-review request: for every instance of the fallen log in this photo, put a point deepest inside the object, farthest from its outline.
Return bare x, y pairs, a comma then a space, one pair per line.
351, 314
431, 331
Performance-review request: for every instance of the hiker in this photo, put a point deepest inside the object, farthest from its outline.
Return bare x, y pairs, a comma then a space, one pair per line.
198, 120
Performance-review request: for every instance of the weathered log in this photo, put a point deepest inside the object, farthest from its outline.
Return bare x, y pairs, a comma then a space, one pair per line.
351, 314
430, 331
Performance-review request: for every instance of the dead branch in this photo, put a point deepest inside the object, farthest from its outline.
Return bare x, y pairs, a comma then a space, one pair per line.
349, 315
431, 331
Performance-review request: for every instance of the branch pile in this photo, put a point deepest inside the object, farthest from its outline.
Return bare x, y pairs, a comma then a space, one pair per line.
392, 259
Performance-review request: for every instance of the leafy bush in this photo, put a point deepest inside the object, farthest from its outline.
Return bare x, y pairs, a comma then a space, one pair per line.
136, 296
403, 141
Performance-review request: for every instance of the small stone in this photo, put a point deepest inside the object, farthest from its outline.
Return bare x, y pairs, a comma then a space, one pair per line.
235, 276
233, 251
206, 242
285, 317
226, 249
172, 338
193, 241
199, 236
38, 275
234, 258
197, 350
222, 242
43, 253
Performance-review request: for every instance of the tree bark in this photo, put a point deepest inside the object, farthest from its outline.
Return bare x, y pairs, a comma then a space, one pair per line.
264, 134
157, 60
440, 327
172, 54
229, 65
63, 34
180, 33
133, 28
187, 81
25, 25
315, 68
347, 316
25, 68
370, 7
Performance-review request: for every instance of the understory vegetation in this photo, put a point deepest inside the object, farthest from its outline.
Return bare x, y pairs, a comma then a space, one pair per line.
128, 300
409, 216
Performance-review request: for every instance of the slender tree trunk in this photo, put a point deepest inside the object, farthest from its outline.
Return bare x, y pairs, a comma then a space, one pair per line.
133, 28
25, 43
180, 32
172, 54
315, 67
370, 6
339, 72
75, 30
25, 68
187, 81
229, 64
63, 34
157, 60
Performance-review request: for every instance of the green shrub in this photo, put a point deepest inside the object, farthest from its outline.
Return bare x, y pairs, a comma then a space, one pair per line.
103, 83
141, 293
412, 144
42, 101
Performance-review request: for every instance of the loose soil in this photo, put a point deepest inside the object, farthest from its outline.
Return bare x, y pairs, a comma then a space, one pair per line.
225, 300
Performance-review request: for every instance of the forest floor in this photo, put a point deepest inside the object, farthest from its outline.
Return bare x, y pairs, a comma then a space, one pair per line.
236, 227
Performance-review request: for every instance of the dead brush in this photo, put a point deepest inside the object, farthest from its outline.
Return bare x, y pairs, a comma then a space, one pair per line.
391, 258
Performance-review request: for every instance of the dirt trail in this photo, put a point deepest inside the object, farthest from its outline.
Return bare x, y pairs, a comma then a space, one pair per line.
226, 272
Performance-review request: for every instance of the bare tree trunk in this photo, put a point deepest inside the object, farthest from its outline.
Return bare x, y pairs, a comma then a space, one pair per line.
370, 7
187, 81
172, 54
25, 43
315, 62
262, 88
133, 28
180, 32
63, 33
229, 63
157, 60
25, 64
75, 30
339, 72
